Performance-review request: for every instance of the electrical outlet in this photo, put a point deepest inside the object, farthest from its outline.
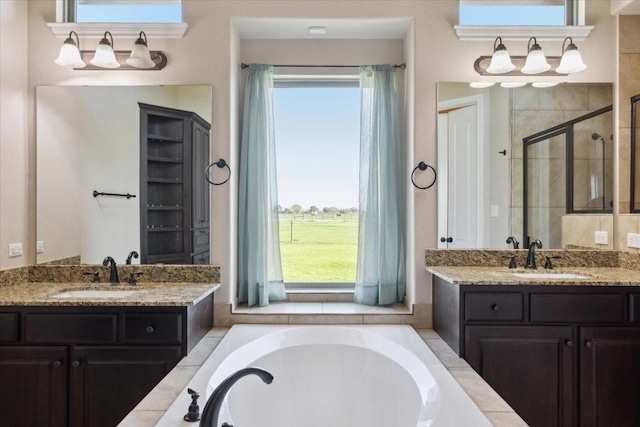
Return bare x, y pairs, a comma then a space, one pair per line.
633, 240
40, 246
15, 249
495, 211
602, 238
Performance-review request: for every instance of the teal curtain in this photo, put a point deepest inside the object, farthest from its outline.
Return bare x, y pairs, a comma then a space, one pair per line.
259, 265
380, 275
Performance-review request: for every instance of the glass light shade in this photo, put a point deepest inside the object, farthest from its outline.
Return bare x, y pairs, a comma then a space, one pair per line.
105, 57
500, 62
571, 62
70, 56
509, 85
536, 63
481, 85
140, 57
544, 84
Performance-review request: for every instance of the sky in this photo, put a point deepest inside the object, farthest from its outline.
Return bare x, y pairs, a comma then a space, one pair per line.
512, 15
128, 13
317, 146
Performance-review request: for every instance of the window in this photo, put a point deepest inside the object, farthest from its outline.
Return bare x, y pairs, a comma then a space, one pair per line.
317, 134
126, 11
521, 12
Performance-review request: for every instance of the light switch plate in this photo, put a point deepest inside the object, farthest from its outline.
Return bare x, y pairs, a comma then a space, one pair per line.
40, 246
15, 249
602, 238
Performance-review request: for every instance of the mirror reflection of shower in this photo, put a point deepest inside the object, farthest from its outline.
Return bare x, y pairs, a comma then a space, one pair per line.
597, 172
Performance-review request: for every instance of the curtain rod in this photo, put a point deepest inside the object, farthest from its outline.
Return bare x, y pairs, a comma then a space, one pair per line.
243, 66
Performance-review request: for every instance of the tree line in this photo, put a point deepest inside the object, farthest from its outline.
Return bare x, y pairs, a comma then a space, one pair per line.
313, 210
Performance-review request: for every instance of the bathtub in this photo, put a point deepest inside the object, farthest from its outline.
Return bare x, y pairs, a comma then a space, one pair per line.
344, 376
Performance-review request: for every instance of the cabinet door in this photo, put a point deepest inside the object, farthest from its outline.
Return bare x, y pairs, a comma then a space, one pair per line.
33, 386
531, 367
200, 189
610, 377
106, 383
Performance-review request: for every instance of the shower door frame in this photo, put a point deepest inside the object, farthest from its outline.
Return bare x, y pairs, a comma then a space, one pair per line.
565, 128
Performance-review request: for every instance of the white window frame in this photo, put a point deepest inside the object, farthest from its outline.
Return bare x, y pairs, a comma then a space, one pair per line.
65, 17
315, 80
577, 30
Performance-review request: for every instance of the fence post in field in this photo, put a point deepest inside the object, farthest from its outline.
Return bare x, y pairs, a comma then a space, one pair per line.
291, 231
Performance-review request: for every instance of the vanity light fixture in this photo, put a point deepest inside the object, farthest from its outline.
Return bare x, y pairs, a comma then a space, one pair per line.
105, 57
500, 60
140, 56
571, 61
70, 53
509, 85
536, 62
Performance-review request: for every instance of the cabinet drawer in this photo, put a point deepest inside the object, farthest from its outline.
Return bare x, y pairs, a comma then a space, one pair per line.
150, 328
493, 306
592, 308
70, 328
9, 327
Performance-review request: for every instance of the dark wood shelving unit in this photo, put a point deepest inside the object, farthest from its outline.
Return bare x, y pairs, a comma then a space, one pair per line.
174, 195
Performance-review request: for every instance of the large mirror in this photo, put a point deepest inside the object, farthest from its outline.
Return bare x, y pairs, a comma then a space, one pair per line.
528, 162
88, 139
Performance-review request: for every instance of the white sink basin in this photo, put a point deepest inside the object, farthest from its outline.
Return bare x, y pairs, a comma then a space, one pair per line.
550, 276
94, 293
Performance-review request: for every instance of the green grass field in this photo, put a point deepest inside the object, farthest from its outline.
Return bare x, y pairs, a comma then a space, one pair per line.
321, 251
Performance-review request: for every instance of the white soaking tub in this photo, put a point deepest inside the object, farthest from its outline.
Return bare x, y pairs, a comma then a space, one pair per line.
338, 376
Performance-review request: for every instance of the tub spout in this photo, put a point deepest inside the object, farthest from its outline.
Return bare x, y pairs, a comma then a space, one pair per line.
211, 410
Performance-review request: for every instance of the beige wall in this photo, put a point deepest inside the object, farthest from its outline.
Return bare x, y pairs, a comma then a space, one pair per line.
15, 154
209, 53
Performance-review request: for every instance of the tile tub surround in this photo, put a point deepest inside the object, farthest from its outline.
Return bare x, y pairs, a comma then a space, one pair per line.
154, 405
496, 257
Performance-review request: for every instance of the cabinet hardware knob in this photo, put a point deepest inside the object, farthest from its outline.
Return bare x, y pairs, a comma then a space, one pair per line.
57, 364
496, 307
150, 329
75, 363
569, 343
588, 344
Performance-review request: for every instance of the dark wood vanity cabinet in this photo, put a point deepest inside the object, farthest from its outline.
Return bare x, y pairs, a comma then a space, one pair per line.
90, 366
174, 194
559, 355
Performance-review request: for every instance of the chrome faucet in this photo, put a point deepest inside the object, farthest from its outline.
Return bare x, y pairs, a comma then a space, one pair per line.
211, 410
531, 255
113, 275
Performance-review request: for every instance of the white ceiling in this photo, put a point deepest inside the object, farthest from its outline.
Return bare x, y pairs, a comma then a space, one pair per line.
288, 28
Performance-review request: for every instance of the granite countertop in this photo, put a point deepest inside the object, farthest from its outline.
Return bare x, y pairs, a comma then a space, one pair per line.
595, 276
145, 294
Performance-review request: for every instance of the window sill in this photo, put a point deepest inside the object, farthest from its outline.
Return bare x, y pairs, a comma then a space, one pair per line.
119, 30
520, 32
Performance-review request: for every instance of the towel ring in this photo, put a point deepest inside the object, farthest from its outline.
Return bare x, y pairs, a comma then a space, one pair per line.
423, 166
221, 164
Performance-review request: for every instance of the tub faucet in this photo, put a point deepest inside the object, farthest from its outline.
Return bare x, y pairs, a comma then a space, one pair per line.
531, 255
113, 274
211, 410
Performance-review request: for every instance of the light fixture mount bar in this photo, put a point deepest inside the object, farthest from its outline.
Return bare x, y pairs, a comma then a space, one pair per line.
482, 63
157, 57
